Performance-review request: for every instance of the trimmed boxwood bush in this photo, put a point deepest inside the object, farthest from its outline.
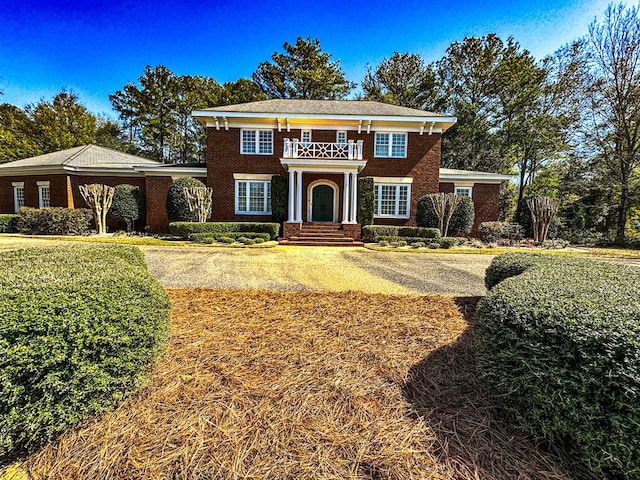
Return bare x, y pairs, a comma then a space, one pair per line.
279, 198
177, 205
8, 222
54, 221
559, 351
491, 232
213, 237
127, 205
185, 229
375, 233
79, 328
366, 201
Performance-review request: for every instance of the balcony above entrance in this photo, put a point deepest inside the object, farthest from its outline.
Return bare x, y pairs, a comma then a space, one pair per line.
294, 148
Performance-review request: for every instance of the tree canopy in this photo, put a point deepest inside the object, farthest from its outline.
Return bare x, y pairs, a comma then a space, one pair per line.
303, 71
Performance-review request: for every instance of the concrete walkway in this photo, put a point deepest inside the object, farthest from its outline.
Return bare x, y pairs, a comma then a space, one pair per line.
317, 268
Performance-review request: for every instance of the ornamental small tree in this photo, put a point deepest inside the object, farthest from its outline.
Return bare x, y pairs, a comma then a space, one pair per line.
366, 200
279, 196
177, 204
98, 198
127, 205
543, 211
199, 200
445, 211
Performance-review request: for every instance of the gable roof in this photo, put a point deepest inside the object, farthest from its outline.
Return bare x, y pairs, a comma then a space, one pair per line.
325, 107
352, 114
83, 156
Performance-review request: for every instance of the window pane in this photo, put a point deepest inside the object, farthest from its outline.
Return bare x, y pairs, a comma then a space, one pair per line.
242, 197
19, 191
403, 201
463, 191
388, 200
268, 196
382, 145
248, 141
341, 138
265, 142
45, 197
256, 197
398, 145
306, 137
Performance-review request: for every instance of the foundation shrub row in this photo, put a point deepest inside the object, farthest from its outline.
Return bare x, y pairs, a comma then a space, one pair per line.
375, 233
54, 221
186, 229
79, 329
559, 351
221, 237
8, 222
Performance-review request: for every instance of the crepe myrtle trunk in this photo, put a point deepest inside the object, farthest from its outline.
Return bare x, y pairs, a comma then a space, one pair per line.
624, 207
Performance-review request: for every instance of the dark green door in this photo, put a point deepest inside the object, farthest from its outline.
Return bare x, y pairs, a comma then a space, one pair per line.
322, 204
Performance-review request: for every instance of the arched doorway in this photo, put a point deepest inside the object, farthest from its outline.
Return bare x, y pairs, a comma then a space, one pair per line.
322, 203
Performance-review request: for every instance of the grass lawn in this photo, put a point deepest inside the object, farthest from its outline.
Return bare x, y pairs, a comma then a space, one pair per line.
305, 385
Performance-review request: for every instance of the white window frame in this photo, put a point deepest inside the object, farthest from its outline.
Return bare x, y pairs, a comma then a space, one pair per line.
266, 201
18, 200
305, 141
338, 141
256, 141
457, 191
44, 202
378, 200
389, 145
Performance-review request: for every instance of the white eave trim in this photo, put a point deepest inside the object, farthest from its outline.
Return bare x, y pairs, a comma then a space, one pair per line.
170, 171
137, 171
323, 116
477, 177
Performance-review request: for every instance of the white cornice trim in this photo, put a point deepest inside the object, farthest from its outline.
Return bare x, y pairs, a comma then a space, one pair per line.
477, 177
323, 116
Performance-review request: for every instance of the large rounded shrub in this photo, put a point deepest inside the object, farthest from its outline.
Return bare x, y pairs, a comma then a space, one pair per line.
177, 205
79, 329
127, 205
461, 220
559, 351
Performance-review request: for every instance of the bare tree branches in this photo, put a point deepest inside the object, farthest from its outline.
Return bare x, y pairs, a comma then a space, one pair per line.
98, 198
199, 200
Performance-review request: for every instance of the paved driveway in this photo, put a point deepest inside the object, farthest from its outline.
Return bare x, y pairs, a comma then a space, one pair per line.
317, 268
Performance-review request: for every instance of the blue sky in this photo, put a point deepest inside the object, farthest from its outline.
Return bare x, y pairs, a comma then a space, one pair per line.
94, 47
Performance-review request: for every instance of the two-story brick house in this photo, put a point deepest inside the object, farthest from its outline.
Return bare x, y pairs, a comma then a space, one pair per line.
323, 147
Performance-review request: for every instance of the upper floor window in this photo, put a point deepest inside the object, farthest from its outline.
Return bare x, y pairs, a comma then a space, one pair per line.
391, 145
305, 137
341, 137
462, 191
44, 194
18, 195
391, 200
256, 142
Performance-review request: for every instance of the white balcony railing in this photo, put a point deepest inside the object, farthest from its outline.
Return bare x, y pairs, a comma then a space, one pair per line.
294, 148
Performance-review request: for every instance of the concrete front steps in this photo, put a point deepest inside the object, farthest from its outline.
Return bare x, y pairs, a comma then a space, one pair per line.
321, 235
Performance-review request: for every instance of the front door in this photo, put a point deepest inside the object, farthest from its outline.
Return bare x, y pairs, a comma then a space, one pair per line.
322, 204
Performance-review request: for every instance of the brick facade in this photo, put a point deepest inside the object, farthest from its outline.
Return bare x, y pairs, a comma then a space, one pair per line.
224, 159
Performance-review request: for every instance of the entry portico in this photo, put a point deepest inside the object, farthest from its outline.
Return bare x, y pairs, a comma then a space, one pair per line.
325, 159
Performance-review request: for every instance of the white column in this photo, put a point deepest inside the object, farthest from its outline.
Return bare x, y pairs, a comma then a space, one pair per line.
354, 197
345, 199
292, 193
299, 197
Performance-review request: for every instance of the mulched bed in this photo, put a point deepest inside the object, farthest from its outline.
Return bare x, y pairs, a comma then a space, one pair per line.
302, 385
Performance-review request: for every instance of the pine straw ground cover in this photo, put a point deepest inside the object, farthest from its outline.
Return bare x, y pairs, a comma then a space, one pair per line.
302, 385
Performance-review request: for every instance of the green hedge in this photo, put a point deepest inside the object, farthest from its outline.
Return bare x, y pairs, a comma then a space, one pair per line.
8, 222
79, 329
279, 198
559, 351
211, 237
186, 229
493, 231
366, 201
176, 203
54, 221
375, 233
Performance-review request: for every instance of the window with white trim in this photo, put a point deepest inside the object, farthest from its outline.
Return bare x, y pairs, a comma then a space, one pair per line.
256, 142
341, 137
305, 137
44, 195
392, 200
253, 197
393, 145
462, 191
18, 195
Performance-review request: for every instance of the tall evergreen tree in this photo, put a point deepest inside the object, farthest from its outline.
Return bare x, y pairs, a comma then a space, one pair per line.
304, 71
